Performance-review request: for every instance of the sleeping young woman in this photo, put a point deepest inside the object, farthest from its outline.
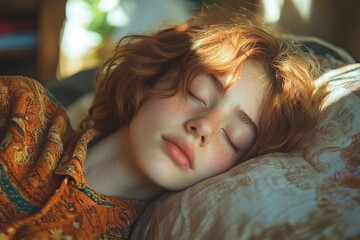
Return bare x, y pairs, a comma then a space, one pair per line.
171, 109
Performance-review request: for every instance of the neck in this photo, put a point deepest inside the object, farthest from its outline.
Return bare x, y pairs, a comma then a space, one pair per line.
111, 169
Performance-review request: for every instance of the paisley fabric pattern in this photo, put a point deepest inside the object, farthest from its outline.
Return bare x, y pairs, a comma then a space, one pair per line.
43, 190
313, 193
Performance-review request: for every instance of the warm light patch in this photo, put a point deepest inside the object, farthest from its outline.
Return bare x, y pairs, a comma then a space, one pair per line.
304, 8
272, 9
228, 80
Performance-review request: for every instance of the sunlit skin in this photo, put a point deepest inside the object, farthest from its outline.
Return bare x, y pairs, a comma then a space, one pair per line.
213, 126
175, 142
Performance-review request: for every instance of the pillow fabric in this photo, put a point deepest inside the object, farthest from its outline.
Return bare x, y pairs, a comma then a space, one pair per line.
313, 193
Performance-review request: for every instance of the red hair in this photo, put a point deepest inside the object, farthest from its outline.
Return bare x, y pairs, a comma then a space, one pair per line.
215, 42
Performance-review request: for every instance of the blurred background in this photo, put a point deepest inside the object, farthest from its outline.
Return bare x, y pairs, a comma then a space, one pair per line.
53, 39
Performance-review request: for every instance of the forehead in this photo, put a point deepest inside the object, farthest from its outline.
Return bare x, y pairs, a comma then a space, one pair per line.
250, 88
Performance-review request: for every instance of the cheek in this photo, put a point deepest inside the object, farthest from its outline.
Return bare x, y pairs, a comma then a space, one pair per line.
154, 112
156, 116
162, 108
222, 159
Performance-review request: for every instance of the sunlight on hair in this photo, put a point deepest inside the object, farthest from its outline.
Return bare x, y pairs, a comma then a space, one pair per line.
228, 79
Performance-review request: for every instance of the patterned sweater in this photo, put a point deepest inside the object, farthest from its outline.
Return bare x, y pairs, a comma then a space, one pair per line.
43, 189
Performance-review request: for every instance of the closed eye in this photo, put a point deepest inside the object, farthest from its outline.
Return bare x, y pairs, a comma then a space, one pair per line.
193, 96
235, 148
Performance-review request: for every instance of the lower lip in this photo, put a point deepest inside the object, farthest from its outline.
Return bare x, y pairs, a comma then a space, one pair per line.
177, 155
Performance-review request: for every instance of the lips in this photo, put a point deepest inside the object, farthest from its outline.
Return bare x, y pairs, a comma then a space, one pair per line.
180, 151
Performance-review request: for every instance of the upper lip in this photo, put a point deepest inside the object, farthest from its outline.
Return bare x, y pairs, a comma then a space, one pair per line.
184, 147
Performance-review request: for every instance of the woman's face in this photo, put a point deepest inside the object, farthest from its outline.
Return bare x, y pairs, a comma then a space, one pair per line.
177, 141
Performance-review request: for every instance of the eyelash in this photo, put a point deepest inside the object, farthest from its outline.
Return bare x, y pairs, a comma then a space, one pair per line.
237, 150
192, 95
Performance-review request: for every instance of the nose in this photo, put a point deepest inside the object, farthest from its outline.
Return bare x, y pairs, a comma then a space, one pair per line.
203, 127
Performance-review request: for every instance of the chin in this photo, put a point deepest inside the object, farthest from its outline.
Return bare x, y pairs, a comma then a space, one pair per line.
168, 182
163, 173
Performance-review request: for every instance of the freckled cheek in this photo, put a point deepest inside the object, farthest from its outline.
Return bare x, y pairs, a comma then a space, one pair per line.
171, 106
162, 110
222, 158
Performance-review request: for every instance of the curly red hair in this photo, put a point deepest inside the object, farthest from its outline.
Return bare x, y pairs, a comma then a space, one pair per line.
217, 42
